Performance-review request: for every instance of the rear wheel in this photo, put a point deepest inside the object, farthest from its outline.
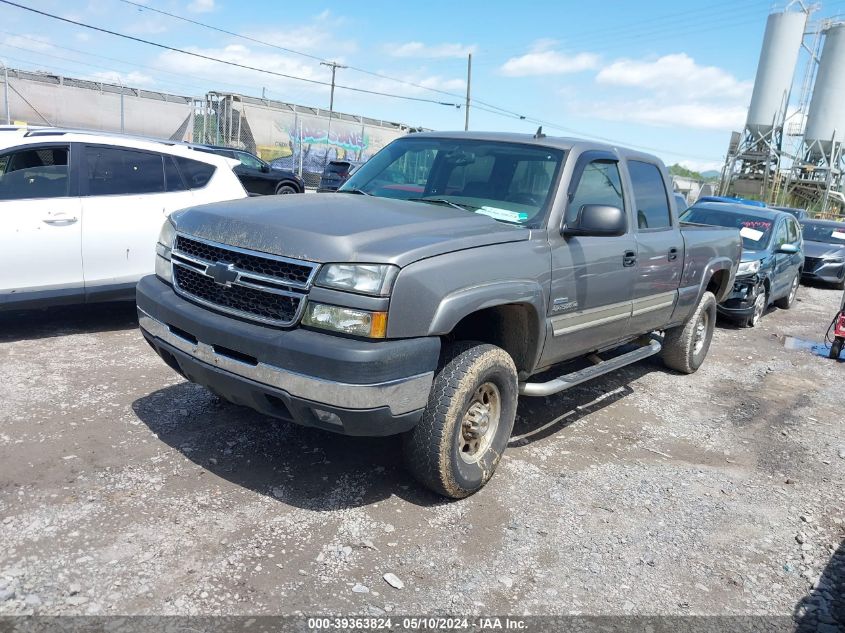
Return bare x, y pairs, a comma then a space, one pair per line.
465, 427
282, 190
686, 346
784, 303
836, 348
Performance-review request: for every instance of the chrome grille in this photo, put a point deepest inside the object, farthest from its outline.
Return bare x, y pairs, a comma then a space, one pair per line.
250, 284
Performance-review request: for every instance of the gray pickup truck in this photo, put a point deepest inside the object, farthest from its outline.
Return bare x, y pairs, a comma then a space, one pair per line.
427, 294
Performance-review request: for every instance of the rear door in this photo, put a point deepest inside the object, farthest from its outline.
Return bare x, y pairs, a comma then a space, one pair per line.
660, 249
592, 277
127, 195
40, 221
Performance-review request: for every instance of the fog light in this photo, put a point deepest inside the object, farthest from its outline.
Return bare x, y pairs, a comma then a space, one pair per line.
327, 416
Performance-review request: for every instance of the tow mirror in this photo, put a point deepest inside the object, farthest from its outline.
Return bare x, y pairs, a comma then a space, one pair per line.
598, 220
789, 249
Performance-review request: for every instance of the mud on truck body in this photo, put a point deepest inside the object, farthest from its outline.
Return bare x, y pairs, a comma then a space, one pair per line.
427, 294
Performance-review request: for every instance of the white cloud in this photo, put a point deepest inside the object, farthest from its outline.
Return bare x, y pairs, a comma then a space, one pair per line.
201, 6
434, 51
544, 60
322, 36
677, 74
659, 113
701, 165
30, 42
132, 79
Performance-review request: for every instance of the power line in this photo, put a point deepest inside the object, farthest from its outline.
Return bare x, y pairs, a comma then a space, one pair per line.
223, 61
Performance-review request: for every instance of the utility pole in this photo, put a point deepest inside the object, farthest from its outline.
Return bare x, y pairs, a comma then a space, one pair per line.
469, 80
6, 92
334, 66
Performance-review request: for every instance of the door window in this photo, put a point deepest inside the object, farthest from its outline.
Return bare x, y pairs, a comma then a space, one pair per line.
652, 200
792, 231
34, 173
600, 184
781, 236
248, 160
113, 171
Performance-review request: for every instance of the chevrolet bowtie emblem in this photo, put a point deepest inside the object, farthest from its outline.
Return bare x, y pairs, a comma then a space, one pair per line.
222, 273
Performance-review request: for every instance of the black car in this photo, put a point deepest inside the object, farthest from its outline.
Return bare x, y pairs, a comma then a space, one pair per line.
772, 257
824, 251
336, 173
799, 214
255, 175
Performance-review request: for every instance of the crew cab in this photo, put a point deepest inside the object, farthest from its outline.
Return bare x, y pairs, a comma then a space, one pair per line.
427, 294
772, 257
79, 210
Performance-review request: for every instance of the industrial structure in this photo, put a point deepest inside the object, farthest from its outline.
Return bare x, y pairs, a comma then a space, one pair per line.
790, 150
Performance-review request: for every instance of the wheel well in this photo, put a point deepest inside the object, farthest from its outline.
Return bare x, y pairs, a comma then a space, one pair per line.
717, 283
287, 183
513, 327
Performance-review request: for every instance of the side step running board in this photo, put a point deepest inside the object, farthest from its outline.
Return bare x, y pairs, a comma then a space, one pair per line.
583, 375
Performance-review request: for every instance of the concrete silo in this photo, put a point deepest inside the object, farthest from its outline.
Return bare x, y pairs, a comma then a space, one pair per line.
818, 170
755, 160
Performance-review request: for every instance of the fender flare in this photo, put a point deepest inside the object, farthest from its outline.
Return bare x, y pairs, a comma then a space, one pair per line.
714, 266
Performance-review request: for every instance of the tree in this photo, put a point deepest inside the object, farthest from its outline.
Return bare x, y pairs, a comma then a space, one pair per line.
680, 170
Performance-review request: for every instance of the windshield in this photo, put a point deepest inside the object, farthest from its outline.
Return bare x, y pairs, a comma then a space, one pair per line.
509, 182
830, 234
755, 230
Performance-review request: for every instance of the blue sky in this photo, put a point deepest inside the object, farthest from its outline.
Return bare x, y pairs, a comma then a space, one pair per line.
673, 77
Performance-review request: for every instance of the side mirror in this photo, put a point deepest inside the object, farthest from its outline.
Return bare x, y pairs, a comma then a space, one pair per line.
265, 168
789, 249
598, 220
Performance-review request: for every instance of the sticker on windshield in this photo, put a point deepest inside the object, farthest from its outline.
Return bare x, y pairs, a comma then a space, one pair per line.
751, 234
839, 235
502, 214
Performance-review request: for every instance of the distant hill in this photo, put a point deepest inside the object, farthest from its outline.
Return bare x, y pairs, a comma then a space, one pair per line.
711, 174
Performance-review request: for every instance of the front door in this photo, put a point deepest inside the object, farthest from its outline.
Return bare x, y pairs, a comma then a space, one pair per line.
40, 221
592, 277
660, 250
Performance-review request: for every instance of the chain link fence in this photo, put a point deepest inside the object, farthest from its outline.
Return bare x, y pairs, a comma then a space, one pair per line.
288, 136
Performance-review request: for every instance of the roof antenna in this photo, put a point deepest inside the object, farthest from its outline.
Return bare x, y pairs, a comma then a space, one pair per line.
539, 133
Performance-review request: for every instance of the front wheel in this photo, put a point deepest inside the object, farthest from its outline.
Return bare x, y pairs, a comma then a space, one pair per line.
455, 448
836, 348
761, 302
283, 190
784, 303
686, 346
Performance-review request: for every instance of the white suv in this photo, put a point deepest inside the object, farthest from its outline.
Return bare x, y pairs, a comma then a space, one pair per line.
80, 212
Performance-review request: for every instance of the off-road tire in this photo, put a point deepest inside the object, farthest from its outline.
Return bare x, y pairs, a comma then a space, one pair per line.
284, 189
836, 348
681, 350
432, 448
784, 303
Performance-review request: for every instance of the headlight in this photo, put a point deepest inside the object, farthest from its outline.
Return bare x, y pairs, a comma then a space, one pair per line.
748, 268
834, 260
166, 238
346, 320
368, 279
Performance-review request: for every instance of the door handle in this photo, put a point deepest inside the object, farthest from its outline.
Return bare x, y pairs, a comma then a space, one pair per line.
60, 219
629, 259
673, 254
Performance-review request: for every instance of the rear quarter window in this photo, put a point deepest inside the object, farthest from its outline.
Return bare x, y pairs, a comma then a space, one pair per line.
196, 174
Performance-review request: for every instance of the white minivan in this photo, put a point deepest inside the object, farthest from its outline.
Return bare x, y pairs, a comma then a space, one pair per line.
80, 212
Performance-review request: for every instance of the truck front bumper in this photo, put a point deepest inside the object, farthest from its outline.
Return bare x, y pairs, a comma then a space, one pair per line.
314, 379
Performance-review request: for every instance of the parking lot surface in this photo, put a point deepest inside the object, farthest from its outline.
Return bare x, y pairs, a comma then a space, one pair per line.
126, 490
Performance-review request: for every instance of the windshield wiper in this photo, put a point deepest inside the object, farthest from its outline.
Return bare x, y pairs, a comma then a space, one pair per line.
454, 205
360, 192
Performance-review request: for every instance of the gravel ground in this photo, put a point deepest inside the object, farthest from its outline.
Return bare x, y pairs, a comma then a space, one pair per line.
125, 490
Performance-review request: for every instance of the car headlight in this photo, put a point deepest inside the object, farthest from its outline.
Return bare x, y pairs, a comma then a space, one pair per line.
346, 320
834, 260
748, 268
166, 238
368, 279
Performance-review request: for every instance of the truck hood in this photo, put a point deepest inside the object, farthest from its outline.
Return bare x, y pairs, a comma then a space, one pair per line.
330, 227
823, 249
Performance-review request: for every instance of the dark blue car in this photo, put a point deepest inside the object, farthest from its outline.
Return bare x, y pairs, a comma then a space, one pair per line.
772, 257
